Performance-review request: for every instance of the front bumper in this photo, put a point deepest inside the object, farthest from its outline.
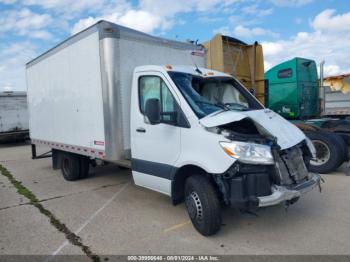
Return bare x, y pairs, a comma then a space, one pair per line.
281, 194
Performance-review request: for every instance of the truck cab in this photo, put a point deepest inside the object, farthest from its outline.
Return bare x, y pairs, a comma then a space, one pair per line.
199, 136
293, 89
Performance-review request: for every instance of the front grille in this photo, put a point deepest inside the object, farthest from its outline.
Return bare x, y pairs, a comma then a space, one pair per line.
290, 166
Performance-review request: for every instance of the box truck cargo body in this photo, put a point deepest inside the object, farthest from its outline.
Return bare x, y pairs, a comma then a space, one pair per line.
86, 82
114, 94
13, 116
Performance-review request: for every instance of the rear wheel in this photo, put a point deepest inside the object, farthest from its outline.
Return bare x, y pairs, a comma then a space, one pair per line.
203, 205
330, 152
70, 166
84, 162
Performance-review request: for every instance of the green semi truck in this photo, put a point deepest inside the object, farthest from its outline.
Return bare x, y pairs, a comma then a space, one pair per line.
294, 91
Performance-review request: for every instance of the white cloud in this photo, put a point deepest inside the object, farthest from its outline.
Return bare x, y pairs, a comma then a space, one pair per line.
256, 10
41, 34
245, 21
141, 20
331, 70
13, 58
327, 21
150, 15
168, 8
246, 32
83, 23
290, 2
136, 19
224, 30
68, 7
322, 43
25, 22
272, 48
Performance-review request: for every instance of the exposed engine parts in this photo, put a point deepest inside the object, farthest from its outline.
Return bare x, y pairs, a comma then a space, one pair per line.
242, 184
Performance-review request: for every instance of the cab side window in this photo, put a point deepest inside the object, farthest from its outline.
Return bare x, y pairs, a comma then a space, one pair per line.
285, 73
155, 87
149, 87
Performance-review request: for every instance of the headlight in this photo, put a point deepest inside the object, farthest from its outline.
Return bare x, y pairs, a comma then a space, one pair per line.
248, 153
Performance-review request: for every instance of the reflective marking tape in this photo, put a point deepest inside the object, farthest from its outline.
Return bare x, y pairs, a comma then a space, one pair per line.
92, 152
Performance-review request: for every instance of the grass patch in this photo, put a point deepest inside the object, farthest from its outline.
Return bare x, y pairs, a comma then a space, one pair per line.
71, 237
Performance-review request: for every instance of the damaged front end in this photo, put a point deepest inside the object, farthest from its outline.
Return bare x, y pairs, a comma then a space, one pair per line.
248, 186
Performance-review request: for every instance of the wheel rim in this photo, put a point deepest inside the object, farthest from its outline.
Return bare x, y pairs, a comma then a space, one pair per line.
323, 153
65, 165
194, 206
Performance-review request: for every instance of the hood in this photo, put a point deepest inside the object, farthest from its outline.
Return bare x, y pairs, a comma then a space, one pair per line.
286, 133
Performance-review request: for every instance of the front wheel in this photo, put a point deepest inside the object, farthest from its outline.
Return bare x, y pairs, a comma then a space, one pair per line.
203, 205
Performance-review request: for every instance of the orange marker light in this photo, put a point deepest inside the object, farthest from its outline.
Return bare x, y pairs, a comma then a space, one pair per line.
210, 73
169, 67
228, 151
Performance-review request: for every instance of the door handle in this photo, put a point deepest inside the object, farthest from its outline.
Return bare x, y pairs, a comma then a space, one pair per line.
141, 130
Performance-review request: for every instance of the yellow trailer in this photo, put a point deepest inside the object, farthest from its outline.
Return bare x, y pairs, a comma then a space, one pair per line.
338, 83
243, 61
337, 95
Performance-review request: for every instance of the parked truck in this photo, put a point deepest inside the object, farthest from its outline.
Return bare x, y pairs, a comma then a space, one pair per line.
114, 94
14, 124
295, 92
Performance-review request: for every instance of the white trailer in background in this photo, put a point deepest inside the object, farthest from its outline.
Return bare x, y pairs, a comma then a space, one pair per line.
13, 116
118, 95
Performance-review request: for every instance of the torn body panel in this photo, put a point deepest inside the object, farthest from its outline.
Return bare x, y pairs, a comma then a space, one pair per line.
267, 122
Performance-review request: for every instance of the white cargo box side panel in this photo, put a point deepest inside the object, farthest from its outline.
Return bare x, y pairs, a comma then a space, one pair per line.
144, 53
13, 113
65, 96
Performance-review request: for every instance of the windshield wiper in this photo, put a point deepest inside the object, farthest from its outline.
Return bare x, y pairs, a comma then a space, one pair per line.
221, 104
206, 103
236, 106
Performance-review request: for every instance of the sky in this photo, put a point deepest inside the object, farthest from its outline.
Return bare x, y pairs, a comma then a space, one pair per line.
315, 29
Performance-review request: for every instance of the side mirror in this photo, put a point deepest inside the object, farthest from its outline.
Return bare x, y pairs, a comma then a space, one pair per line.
152, 110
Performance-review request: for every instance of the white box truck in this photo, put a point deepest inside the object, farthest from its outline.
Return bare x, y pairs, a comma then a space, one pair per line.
118, 95
14, 123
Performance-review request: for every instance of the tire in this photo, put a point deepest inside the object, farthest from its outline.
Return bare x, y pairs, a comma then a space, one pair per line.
84, 162
342, 142
203, 205
330, 151
70, 166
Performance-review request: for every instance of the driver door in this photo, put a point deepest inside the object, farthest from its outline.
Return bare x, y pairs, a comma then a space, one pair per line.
155, 148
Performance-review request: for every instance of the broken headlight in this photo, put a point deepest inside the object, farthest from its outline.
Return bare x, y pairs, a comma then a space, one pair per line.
249, 153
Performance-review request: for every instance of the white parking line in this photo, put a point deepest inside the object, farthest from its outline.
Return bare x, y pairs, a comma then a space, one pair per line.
58, 250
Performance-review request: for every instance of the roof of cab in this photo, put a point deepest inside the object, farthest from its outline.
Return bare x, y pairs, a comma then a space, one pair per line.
183, 69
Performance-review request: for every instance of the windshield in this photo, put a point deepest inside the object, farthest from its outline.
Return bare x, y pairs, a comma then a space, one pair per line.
206, 95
